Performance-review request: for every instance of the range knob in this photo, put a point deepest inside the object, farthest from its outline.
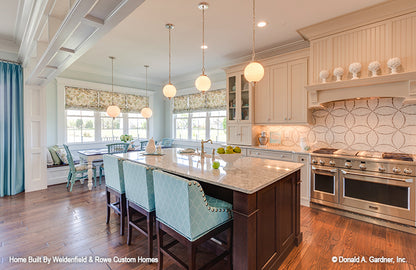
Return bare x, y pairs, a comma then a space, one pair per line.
332, 163
363, 167
381, 169
348, 165
397, 170
314, 161
407, 171
321, 162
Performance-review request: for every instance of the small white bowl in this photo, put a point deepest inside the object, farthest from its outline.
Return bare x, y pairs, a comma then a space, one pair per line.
230, 159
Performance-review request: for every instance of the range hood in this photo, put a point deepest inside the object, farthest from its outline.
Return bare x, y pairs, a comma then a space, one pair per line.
392, 85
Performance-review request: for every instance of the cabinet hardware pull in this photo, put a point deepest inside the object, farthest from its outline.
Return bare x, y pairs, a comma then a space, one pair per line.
373, 207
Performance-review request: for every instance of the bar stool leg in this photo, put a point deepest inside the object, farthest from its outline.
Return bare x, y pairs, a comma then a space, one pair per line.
159, 245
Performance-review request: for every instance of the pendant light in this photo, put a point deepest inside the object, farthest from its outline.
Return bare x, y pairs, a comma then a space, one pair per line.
254, 71
203, 83
169, 90
146, 111
113, 110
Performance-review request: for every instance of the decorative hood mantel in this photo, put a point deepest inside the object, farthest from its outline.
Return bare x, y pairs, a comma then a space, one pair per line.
390, 85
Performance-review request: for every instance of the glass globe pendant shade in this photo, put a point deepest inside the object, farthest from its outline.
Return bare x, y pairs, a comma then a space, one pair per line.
203, 83
113, 111
146, 112
254, 72
169, 90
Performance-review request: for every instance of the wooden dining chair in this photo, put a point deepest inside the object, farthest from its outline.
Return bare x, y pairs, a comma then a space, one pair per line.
77, 172
189, 216
140, 199
113, 148
114, 184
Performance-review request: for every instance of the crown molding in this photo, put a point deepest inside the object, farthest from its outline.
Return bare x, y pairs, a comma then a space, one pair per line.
356, 19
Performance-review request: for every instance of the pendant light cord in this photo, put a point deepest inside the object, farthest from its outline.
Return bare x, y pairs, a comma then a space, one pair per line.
147, 103
170, 55
203, 41
112, 81
254, 30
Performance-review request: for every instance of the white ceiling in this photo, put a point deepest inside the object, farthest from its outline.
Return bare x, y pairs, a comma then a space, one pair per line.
142, 38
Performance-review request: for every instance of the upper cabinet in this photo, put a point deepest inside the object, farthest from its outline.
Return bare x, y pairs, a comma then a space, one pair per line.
239, 94
281, 97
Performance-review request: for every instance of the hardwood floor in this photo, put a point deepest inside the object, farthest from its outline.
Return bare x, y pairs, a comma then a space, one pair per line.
55, 222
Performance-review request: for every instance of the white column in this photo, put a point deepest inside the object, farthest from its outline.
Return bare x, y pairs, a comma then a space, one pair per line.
35, 137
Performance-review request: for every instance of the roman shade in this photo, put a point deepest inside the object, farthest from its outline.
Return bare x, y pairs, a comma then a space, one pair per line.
209, 101
96, 100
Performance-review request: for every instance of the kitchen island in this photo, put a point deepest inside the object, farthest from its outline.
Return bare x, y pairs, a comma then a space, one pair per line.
265, 195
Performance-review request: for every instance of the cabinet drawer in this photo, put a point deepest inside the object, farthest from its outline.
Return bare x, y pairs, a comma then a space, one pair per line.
270, 154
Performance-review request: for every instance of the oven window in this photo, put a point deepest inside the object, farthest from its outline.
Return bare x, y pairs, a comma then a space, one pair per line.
377, 192
324, 183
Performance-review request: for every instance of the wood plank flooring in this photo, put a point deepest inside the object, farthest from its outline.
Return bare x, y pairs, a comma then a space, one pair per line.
55, 222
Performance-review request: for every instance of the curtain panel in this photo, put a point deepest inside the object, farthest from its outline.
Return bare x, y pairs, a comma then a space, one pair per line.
96, 100
209, 101
12, 161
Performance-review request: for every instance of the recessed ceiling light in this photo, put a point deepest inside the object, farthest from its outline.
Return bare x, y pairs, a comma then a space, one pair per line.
204, 47
261, 24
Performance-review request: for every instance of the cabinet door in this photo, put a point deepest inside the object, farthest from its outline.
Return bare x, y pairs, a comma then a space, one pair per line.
297, 79
232, 98
245, 100
233, 134
263, 99
245, 134
279, 84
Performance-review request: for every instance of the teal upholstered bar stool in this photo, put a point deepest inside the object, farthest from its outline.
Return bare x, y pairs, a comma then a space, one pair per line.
77, 172
114, 184
184, 212
113, 148
140, 197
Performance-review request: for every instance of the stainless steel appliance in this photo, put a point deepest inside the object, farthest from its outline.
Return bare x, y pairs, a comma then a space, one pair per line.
380, 185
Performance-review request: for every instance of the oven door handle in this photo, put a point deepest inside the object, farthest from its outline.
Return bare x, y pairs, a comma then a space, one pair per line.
324, 170
407, 180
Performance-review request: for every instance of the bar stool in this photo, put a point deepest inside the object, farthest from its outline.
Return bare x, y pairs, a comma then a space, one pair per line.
184, 212
140, 197
114, 184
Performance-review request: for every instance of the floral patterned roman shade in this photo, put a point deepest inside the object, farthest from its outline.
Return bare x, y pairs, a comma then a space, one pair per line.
209, 101
95, 100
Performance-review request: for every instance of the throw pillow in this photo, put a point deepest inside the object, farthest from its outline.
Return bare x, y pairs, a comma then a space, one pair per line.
62, 155
54, 155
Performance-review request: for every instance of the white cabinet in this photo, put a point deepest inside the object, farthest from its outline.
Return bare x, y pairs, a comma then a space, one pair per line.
239, 107
239, 134
281, 97
293, 157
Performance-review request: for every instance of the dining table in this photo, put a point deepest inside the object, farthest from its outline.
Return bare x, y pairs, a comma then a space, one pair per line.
90, 156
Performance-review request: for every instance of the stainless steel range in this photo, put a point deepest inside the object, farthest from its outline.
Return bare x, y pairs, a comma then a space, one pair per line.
380, 185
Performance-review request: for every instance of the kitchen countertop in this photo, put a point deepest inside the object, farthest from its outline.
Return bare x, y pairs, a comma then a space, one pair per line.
248, 174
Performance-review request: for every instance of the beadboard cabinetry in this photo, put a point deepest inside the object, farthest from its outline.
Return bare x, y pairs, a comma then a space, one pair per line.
281, 97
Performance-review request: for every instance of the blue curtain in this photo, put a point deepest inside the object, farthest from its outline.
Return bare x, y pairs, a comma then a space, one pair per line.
12, 161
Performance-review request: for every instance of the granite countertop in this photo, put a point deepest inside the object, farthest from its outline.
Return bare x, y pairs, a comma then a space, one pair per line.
248, 174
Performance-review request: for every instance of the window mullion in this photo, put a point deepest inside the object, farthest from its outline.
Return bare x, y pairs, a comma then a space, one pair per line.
189, 126
97, 126
207, 128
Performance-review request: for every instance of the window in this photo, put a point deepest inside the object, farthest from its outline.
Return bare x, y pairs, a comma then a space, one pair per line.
199, 123
137, 125
90, 126
217, 125
181, 123
200, 126
111, 130
80, 126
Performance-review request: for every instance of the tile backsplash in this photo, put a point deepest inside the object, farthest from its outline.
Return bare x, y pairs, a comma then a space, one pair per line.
382, 125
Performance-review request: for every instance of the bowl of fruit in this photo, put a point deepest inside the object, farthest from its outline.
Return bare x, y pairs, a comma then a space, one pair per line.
229, 155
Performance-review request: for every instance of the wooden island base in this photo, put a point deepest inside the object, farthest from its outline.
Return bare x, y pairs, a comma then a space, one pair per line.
266, 224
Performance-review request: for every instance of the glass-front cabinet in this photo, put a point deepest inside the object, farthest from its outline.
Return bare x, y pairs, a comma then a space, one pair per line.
239, 95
